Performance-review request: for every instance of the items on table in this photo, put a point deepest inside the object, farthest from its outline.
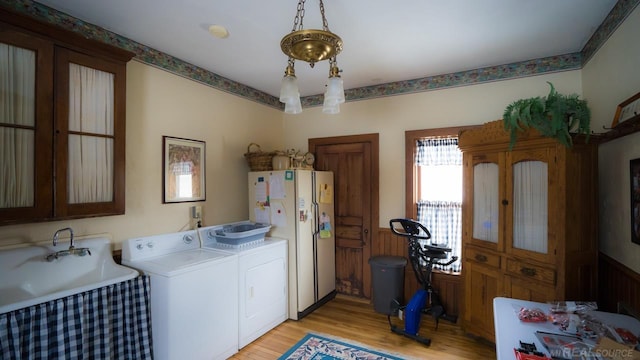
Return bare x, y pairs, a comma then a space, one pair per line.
528, 351
579, 334
532, 315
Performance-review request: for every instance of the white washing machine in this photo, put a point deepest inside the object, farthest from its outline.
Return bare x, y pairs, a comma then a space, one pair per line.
262, 288
194, 295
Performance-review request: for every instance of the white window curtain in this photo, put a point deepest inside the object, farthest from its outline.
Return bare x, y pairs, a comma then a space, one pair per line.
443, 217
438, 151
530, 214
91, 104
486, 204
17, 133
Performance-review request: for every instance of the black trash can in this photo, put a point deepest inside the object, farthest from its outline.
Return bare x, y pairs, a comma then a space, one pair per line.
387, 280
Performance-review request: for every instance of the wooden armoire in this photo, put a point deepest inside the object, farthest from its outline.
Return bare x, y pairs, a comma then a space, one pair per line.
529, 221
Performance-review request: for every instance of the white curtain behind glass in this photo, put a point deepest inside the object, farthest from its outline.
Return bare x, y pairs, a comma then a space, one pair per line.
530, 214
17, 107
91, 102
486, 202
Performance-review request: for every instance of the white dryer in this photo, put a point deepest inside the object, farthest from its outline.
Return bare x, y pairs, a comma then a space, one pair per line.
194, 295
262, 288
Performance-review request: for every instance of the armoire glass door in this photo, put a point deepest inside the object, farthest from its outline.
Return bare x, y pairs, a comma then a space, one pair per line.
529, 229
484, 176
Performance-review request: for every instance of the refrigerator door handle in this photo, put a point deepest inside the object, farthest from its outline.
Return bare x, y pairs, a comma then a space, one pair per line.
315, 208
314, 219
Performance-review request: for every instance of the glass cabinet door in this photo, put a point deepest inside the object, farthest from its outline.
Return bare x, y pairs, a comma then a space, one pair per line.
25, 136
486, 202
17, 126
529, 183
90, 155
530, 209
90, 131
483, 175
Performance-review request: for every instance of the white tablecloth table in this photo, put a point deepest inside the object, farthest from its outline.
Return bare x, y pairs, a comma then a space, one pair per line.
510, 330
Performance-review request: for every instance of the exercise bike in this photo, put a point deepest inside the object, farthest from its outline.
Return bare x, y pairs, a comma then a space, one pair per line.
422, 258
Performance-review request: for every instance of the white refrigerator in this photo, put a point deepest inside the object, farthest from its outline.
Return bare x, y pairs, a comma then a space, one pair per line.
299, 205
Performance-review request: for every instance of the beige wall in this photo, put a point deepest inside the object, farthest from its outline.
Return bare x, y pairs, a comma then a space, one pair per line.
392, 116
160, 103
609, 78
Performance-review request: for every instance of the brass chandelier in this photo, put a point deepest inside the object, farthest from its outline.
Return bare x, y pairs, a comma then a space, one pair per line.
312, 46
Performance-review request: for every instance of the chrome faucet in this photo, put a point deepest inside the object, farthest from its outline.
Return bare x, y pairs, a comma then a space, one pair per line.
71, 251
55, 236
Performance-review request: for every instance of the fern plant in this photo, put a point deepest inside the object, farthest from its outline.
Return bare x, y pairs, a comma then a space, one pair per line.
555, 116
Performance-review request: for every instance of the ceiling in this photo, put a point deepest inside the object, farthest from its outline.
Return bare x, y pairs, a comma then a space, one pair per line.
384, 41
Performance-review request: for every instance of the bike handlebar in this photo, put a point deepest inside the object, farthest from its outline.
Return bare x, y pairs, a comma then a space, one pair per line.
411, 229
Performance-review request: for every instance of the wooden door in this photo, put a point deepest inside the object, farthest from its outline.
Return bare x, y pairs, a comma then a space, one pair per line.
354, 163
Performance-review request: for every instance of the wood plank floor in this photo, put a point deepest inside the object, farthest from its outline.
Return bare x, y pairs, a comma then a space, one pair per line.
355, 320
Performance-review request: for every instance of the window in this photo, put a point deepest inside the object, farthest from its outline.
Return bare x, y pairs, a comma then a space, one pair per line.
434, 186
439, 163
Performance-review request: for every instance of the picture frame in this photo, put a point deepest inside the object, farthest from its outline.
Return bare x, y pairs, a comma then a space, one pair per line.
634, 177
628, 109
183, 169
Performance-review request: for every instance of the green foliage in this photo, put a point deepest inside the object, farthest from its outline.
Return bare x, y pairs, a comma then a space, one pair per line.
555, 115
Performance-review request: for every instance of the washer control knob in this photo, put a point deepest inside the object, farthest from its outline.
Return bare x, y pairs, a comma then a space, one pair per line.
187, 239
139, 246
150, 244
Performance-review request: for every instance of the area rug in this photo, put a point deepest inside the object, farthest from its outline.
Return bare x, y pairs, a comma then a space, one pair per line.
316, 347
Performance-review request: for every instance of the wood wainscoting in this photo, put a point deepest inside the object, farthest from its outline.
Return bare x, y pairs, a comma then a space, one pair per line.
617, 283
449, 286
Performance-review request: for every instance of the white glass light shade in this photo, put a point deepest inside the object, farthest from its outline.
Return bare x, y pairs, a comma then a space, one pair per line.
332, 110
335, 90
289, 89
294, 106
333, 96
330, 106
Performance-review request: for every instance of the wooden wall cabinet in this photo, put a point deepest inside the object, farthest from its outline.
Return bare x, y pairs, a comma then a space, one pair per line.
54, 136
529, 221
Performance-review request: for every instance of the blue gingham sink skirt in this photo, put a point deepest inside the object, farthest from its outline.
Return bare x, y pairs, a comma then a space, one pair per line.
113, 322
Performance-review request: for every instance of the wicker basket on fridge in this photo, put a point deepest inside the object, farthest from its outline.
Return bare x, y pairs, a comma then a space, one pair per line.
257, 159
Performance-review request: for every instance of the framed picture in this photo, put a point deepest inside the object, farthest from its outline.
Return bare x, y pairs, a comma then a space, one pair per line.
635, 200
628, 109
183, 170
